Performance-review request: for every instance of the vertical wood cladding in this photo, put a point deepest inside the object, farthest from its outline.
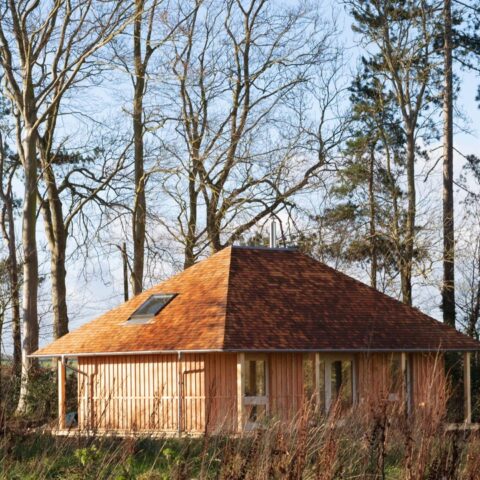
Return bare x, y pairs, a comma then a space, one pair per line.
285, 385
427, 377
141, 392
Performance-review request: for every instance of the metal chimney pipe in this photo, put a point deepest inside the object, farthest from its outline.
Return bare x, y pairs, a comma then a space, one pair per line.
273, 234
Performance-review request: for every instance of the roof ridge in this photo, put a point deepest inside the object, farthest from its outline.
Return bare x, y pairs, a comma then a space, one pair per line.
293, 249
227, 299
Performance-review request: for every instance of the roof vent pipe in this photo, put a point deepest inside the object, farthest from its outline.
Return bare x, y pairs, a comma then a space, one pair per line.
273, 234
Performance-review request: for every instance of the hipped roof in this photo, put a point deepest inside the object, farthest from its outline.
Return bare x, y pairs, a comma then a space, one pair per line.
256, 299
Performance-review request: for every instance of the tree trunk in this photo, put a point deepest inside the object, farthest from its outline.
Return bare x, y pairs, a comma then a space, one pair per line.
59, 290
8, 230
213, 229
474, 313
408, 251
190, 239
125, 270
448, 286
56, 234
373, 233
139, 207
14, 290
30, 265
9, 235
1, 373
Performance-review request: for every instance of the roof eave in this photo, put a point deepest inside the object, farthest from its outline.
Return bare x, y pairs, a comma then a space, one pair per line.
257, 350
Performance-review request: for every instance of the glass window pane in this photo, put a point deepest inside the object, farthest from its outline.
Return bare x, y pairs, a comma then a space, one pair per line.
341, 383
256, 412
395, 376
255, 378
308, 376
148, 309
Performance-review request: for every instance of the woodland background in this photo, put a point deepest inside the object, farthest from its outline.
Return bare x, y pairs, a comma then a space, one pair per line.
138, 137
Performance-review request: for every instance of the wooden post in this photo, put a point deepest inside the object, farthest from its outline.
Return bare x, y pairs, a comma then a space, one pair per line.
318, 400
404, 380
328, 385
240, 390
467, 387
62, 405
407, 383
355, 400
179, 393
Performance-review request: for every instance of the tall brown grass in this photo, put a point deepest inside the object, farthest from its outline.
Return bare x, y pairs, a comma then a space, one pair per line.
378, 439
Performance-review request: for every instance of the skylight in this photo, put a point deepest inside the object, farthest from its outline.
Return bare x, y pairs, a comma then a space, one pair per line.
150, 307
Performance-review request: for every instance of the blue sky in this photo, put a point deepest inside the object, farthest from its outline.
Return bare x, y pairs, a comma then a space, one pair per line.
87, 299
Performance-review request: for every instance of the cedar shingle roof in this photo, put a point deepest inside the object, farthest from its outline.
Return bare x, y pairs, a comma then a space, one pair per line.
264, 299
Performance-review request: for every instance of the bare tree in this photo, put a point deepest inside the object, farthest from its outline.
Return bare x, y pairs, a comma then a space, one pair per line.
242, 74
43, 47
403, 36
448, 285
151, 30
8, 168
140, 61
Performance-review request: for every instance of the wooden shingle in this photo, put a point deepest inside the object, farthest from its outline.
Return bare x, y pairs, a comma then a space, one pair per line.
244, 299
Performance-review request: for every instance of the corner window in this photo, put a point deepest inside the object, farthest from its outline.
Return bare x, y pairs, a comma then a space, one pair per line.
150, 308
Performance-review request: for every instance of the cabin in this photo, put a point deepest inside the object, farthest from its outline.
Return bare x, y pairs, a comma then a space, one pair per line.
247, 336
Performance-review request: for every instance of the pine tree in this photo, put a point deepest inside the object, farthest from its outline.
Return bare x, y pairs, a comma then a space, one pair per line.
400, 38
368, 194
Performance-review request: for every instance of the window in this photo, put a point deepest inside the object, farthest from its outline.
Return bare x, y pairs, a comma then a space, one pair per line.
255, 378
341, 382
255, 389
308, 376
395, 376
151, 307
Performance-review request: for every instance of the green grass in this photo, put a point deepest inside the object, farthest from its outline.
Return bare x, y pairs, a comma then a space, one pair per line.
266, 455
38, 456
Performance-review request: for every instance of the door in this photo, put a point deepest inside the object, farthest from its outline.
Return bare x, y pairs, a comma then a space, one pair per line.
255, 398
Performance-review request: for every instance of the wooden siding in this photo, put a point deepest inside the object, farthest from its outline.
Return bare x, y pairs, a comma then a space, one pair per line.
137, 392
428, 382
221, 391
140, 392
285, 385
427, 377
373, 380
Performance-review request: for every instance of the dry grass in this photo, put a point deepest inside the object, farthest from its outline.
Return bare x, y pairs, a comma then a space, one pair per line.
377, 440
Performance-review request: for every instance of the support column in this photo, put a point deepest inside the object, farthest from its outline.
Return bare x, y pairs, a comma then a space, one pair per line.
355, 399
179, 394
328, 385
467, 388
318, 400
62, 405
240, 391
407, 382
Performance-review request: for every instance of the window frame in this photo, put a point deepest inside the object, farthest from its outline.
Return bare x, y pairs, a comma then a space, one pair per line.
328, 360
255, 400
144, 318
